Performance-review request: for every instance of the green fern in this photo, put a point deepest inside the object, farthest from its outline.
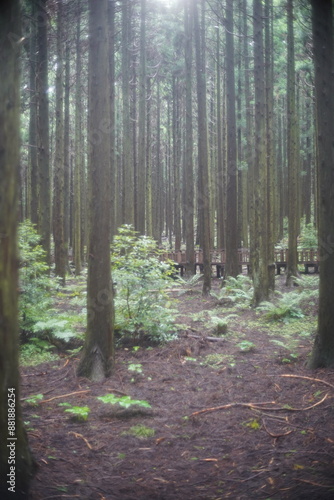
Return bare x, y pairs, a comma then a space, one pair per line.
237, 290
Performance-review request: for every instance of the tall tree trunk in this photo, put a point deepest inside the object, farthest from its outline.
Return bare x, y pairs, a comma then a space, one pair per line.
220, 161
59, 200
33, 194
260, 269
67, 163
293, 153
148, 183
16, 462
271, 181
128, 173
203, 157
78, 159
112, 35
97, 360
176, 127
44, 224
232, 264
323, 43
141, 170
189, 141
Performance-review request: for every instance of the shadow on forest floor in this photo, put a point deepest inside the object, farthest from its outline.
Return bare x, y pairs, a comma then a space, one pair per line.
240, 418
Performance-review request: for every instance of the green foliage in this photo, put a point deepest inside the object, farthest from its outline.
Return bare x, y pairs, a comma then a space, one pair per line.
287, 308
37, 286
135, 367
140, 431
37, 351
308, 237
237, 290
34, 399
35, 283
57, 328
143, 308
246, 346
78, 413
124, 401
291, 305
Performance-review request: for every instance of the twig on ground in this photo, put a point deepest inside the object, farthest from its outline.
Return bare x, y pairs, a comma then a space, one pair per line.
64, 396
275, 436
308, 378
255, 406
77, 435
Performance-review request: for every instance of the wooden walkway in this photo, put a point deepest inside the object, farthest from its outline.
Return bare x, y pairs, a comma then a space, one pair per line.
308, 258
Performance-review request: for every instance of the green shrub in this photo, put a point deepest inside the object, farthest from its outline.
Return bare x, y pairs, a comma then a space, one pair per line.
143, 308
288, 307
35, 283
36, 288
237, 290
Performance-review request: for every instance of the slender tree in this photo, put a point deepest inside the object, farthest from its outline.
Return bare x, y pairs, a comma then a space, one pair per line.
203, 157
59, 173
293, 152
323, 43
232, 264
127, 156
16, 463
142, 111
97, 360
33, 194
260, 270
43, 130
189, 141
78, 158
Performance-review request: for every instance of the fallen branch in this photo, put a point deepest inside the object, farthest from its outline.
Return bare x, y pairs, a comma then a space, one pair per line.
75, 434
275, 436
255, 406
231, 405
201, 337
308, 378
64, 396
315, 484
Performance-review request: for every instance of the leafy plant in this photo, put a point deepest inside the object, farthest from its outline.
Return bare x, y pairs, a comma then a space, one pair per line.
140, 431
124, 401
246, 346
135, 367
235, 290
287, 307
143, 308
308, 237
34, 399
35, 283
57, 328
35, 352
79, 413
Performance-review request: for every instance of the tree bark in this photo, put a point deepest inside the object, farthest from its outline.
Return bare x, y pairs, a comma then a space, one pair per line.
293, 154
97, 360
323, 43
16, 462
59, 172
44, 224
232, 264
203, 157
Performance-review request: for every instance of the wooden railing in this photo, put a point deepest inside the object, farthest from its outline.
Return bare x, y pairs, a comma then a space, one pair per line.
308, 257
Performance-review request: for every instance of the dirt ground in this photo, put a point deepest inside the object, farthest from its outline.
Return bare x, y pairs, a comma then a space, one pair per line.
227, 420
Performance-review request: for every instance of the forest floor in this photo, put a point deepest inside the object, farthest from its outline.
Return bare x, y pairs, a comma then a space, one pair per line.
239, 418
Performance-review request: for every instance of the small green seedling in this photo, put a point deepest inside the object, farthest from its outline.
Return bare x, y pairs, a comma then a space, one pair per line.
140, 431
34, 399
135, 367
78, 413
124, 401
246, 346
